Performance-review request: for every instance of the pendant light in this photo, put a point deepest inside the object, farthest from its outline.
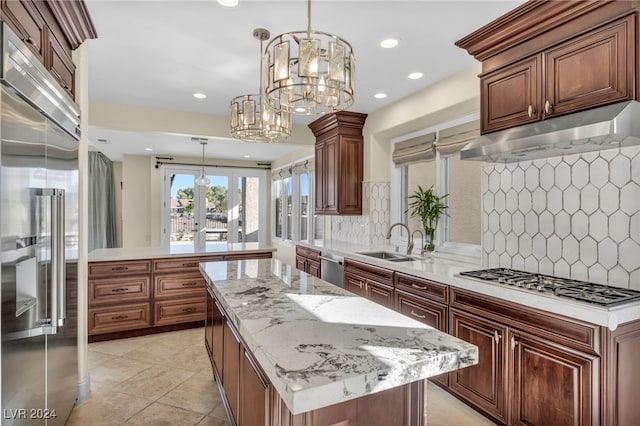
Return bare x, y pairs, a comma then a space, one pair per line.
253, 119
203, 180
310, 72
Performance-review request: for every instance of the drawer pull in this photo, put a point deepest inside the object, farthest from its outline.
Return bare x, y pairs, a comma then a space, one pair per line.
190, 264
419, 287
417, 315
120, 268
119, 290
189, 310
120, 317
191, 284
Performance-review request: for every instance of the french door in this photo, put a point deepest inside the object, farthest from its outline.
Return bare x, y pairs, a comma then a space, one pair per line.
229, 208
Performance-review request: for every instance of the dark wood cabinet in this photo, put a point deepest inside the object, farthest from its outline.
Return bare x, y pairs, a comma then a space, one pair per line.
546, 59
231, 367
380, 293
339, 163
208, 324
550, 384
482, 385
254, 394
51, 30
217, 336
372, 282
308, 260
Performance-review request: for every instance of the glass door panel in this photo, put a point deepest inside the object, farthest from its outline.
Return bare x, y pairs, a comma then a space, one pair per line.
183, 223
249, 209
216, 227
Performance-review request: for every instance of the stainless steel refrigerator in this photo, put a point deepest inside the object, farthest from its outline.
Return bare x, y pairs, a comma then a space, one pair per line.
39, 240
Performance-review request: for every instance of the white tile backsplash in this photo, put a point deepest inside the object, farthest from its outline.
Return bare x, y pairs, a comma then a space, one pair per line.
576, 216
371, 227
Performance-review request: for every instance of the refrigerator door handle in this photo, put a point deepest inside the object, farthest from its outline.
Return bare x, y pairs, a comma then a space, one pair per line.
58, 276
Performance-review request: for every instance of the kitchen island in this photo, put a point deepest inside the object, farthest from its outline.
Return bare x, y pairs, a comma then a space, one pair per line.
287, 347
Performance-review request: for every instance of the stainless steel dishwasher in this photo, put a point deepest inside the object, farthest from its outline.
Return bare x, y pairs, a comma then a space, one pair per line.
332, 268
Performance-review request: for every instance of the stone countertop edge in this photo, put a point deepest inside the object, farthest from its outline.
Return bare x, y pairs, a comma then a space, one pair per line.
138, 253
360, 346
445, 271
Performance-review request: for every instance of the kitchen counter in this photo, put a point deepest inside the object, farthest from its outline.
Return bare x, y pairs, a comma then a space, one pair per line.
319, 344
445, 269
115, 254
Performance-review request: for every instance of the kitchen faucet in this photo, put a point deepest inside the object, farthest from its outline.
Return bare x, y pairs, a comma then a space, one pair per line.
409, 235
422, 249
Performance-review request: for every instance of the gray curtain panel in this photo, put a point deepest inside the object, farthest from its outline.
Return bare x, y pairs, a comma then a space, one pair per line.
102, 225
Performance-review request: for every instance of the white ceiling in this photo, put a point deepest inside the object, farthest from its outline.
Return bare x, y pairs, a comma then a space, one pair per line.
158, 53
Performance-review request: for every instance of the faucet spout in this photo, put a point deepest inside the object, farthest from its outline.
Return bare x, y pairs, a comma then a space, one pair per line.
422, 249
409, 235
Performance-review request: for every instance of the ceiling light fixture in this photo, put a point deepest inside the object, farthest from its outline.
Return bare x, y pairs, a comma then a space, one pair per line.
203, 180
200, 96
415, 75
148, 149
228, 3
309, 69
389, 43
380, 95
253, 119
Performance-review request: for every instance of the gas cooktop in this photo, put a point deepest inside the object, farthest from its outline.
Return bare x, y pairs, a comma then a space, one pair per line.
582, 291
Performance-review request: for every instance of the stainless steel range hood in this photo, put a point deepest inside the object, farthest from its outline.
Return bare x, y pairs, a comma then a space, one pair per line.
607, 127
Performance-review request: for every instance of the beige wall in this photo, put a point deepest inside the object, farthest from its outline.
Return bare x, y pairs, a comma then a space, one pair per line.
117, 180
136, 201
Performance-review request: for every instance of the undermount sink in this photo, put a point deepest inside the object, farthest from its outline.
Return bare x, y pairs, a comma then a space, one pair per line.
385, 255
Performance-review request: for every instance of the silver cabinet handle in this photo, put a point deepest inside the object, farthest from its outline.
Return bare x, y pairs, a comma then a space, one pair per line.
531, 111
513, 343
548, 107
496, 336
415, 314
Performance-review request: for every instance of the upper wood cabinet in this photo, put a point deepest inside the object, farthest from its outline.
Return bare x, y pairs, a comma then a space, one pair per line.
339, 163
546, 59
51, 30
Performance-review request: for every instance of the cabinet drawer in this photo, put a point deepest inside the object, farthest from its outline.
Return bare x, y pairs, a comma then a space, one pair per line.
243, 256
179, 285
118, 290
380, 293
428, 289
119, 268
420, 309
119, 318
182, 264
381, 275
308, 253
180, 311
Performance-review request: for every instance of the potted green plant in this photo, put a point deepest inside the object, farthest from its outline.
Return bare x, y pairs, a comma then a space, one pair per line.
428, 207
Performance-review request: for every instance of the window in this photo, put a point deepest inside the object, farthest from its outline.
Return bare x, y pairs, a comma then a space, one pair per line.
459, 231
226, 210
293, 189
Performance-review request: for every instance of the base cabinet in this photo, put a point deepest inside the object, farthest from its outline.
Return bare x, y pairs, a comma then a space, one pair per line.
231, 368
254, 398
308, 260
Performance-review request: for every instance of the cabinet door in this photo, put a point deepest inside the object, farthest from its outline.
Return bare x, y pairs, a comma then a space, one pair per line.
231, 368
217, 333
301, 263
319, 178
551, 386
25, 20
61, 66
481, 385
511, 96
208, 324
331, 175
380, 293
595, 69
355, 284
350, 179
254, 393
313, 268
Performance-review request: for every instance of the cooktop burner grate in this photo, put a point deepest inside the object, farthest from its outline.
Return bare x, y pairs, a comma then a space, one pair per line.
601, 295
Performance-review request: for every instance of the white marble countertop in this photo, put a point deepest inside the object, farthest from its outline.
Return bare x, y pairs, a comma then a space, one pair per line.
445, 269
133, 253
319, 344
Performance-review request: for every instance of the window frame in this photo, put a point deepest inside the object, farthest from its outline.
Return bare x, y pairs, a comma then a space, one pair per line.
399, 195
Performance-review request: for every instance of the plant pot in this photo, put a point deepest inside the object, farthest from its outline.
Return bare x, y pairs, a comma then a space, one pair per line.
429, 239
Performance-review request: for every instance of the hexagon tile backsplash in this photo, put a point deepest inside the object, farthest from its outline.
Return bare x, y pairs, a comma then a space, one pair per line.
576, 216
371, 227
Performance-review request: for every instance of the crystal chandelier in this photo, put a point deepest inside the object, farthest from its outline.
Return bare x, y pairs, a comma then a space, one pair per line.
203, 180
310, 72
253, 119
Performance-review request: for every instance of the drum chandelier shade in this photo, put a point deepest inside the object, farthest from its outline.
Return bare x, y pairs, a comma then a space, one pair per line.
253, 119
310, 72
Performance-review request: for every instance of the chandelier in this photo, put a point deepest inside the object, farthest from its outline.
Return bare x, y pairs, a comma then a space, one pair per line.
203, 180
310, 72
253, 119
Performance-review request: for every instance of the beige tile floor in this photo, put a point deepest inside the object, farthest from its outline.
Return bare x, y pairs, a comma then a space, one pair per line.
165, 379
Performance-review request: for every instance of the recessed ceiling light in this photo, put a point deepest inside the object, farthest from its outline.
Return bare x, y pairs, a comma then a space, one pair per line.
380, 95
246, 156
300, 109
228, 3
199, 96
389, 43
148, 149
415, 75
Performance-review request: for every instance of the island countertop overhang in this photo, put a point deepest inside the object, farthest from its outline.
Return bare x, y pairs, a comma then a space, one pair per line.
319, 344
